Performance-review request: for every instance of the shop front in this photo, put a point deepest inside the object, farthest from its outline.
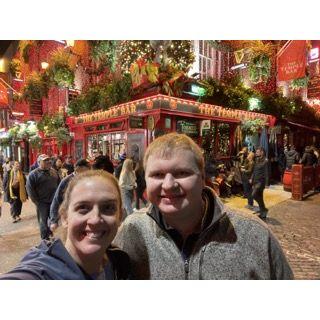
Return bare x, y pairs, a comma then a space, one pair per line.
130, 127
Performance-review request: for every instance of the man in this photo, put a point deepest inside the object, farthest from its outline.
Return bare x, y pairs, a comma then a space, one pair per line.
68, 165
292, 157
187, 233
41, 185
102, 162
81, 166
259, 180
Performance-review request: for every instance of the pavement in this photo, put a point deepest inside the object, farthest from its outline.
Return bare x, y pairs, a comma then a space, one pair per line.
296, 224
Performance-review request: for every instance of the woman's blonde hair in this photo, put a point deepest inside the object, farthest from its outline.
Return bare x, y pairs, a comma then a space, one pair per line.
165, 146
90, 174
127, 166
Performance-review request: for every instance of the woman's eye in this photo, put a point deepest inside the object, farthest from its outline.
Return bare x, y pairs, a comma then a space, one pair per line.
82, 209
107, 209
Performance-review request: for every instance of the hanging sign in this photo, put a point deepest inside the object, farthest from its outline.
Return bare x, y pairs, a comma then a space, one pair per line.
292, 61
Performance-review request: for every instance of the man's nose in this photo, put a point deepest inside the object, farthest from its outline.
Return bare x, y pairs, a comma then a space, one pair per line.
168, 181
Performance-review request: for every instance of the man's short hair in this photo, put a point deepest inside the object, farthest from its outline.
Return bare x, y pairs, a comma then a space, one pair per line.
166, 145
82, 163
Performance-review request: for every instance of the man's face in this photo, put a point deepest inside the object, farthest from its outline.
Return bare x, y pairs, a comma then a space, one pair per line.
45, 164
175, 185
258, 153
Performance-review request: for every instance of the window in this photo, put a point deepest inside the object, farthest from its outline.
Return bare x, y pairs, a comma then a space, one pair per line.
209, 60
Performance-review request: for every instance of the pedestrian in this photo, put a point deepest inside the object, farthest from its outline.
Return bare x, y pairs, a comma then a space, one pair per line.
103, 163
187, 232
7, 166
41, 186
141, 185
91, 214
127, 183
259, 180
292, 157
68, 164
57, 165
81, 165
246, 173
117, 171
308, 158
15, 191
35, 165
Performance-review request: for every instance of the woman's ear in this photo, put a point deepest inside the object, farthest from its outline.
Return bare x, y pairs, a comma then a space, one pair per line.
64, 220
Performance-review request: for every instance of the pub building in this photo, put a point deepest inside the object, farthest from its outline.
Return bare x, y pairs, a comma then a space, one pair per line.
130, 127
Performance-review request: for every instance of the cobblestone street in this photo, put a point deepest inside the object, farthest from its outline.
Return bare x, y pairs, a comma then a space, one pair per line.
296, 225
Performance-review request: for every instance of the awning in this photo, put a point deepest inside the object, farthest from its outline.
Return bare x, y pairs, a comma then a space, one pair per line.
304, 127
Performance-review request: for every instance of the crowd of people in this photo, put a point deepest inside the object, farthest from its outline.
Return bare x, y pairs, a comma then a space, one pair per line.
184, 233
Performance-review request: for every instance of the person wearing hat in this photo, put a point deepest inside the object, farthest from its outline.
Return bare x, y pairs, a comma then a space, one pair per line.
41, 186
81, 165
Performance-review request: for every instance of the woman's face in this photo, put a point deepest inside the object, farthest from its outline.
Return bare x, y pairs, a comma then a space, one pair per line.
93, 218
58, 163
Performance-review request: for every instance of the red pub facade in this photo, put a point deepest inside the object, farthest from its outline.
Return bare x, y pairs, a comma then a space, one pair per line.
130, 127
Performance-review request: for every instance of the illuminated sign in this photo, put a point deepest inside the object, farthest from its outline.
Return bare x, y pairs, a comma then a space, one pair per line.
197, 90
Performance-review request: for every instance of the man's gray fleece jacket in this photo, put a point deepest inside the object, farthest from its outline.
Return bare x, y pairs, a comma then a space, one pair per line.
232, 246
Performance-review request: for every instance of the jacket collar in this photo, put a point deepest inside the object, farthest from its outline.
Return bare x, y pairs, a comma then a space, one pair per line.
214, 211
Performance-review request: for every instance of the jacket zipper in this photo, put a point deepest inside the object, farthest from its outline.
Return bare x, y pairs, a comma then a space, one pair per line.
186, 269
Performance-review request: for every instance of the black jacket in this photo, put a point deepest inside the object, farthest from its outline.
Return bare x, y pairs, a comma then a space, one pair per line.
308, 158
292, 157
51, 261
42, 184
260, 171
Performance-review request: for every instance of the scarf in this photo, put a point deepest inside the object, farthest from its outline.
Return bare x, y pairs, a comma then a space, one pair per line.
22, 189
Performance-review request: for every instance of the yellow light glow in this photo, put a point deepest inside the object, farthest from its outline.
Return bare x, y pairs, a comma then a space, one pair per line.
2, 65
70, 43
44, 65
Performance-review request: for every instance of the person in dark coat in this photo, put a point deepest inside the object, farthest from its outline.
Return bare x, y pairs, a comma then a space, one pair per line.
103, 163
308, 157
81, 165
91, 213
292, 157
259, 180
118, 169
141, 185
41, 187
246, 173
15, 191
68, 165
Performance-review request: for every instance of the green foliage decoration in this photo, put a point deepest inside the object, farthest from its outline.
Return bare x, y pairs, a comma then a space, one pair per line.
15, 67
104, 53
250, 127
60, 71
102, 96
299, 83
259, 68
55, 126
36, 87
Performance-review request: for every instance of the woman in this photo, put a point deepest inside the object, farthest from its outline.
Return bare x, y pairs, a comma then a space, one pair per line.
15, 191
90, 213
141, 185
246, 173
127, 183
57, 165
